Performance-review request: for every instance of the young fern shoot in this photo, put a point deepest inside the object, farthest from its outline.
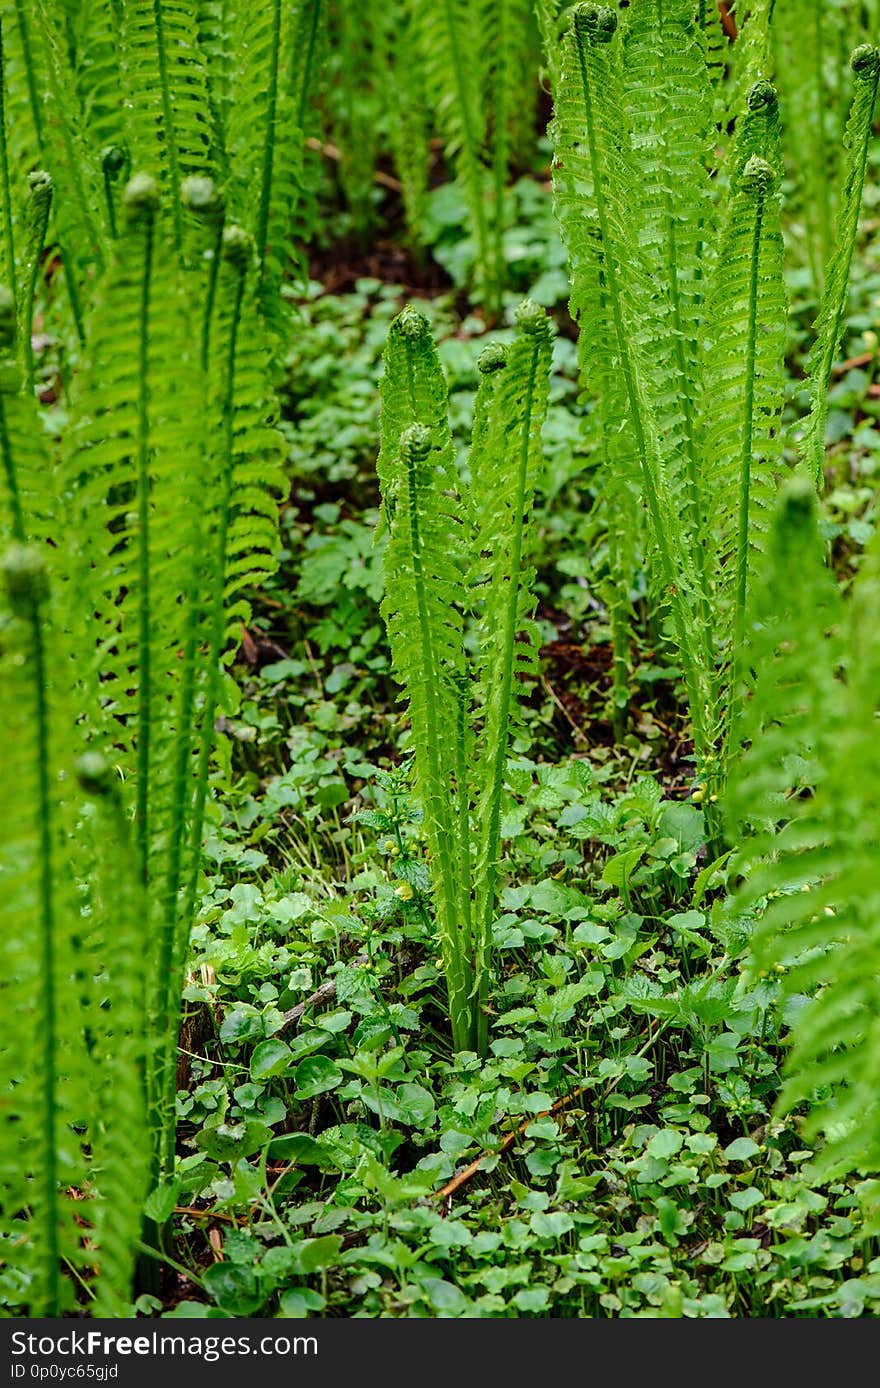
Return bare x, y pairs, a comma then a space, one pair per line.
457, 557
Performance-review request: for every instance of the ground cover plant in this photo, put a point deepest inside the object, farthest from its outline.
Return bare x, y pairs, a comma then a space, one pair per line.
439, 597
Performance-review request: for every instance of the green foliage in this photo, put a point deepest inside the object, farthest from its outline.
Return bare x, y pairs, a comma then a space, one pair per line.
454, 552
805, 798
865, 63
72, 1156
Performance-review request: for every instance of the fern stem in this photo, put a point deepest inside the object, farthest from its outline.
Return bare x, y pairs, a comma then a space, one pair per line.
145, 709
269, 146
49, 1027
830, 321
8, 232
210, 297
742, 542
19, 531
498, 752
40, 207
168, 122
311, 44
823, 182
691, 461
173, 967
464, 825
499, 149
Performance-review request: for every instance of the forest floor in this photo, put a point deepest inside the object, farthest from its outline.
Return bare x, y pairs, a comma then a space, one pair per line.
618, 1153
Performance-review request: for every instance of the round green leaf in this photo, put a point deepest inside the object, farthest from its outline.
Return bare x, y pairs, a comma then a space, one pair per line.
269, 1059
316, 1075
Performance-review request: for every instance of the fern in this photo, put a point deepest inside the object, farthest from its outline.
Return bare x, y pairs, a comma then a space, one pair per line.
595, 168
507, 38
72, 1169
453, 58
807, 40
163, 74
9, 275
423, 611
745, 343
24, 466
408, 127
807, 789
458, 554
502, 503
832, 310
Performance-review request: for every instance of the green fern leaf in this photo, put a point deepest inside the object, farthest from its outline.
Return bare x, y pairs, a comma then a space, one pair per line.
832, 310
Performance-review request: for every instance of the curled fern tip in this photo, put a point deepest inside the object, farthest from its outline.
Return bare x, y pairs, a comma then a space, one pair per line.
416, 443
112, 160
202, 197
597, 23
7, 319
492, 358
411, 323
94, 773
531, 318
238, 247
762, 96
758, 176
141, 197
865, 61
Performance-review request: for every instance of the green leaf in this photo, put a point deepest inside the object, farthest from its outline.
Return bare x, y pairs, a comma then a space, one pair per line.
665, 1143
269, 1059
316, 1075
229, 1142
741, 1149
746, 1199
233, 1287
159, 1204
242, 1023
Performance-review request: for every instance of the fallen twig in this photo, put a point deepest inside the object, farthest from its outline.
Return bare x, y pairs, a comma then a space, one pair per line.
330, 151
326, 991
728, 23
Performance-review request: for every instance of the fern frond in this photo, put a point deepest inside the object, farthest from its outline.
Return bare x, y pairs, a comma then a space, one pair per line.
595, 169
744, 349
452, 58
163, 74
423, 610
508, 465
668, 101
829, 324
25, 470
71, 1149
408, 125
810, 783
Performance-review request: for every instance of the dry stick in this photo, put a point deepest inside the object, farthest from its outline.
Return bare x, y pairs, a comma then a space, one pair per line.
323, 994
728, 23
458, 1180
332, 152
